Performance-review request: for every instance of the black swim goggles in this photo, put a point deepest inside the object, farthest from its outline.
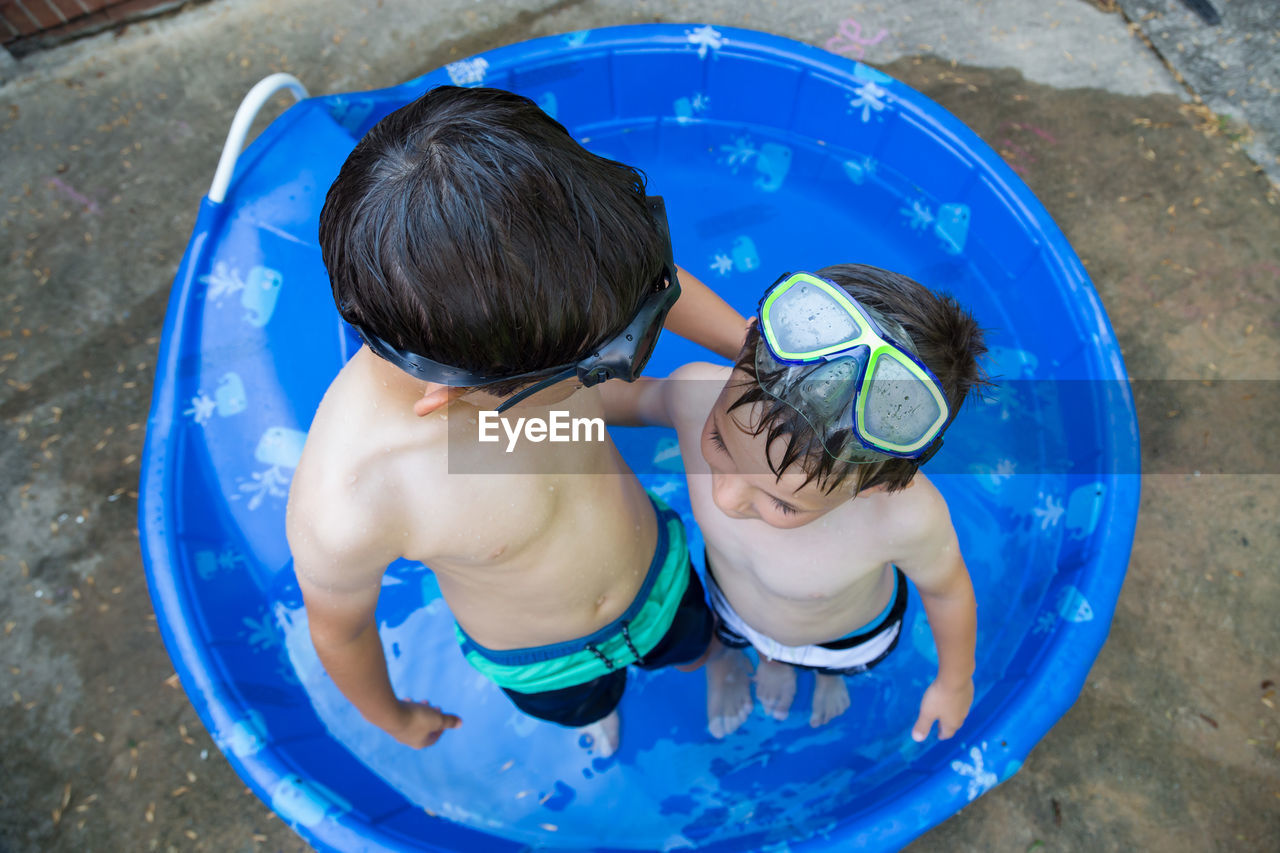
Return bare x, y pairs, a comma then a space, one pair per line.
621, 357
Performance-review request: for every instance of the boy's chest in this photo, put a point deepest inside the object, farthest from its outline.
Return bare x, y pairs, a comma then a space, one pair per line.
806, 572
492, 518
816, 561
526, 522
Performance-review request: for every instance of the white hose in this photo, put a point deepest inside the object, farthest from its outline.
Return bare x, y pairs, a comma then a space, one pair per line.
254, 101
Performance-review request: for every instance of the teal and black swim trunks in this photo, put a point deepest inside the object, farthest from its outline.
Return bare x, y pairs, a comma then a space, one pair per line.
580, 681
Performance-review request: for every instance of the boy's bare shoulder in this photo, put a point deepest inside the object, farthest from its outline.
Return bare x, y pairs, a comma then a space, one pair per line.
703, 370
691, 391
916, 519
917, 509
364, 462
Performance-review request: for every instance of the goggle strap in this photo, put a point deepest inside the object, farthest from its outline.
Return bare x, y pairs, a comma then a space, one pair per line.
590, 370
538, 386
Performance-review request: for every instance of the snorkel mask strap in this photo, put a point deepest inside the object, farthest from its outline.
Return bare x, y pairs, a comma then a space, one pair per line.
930, 450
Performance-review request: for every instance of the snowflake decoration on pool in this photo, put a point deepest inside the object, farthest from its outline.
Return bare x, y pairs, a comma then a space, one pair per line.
868, 99
209, 563
918, 216
223, 281
740, 153
468, 72
981, 779
261, 634
202, 408
1049, 512
273, 482
707, 39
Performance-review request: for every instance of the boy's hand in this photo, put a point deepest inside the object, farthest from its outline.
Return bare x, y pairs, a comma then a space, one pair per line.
948, 706
420, 725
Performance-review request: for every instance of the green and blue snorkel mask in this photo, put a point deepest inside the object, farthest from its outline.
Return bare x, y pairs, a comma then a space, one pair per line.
852, 374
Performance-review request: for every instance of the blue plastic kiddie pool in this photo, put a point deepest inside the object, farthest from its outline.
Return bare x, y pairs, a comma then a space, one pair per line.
771, 155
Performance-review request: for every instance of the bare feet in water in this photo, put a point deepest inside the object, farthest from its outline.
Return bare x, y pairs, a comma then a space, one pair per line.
830, 699
604, 735
775, 687
728, 691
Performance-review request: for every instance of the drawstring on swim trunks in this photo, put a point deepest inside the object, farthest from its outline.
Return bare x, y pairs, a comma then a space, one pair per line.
631, 647
626, 637
595, 650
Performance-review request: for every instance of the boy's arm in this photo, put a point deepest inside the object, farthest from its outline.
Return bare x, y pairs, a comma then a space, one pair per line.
953, 618
704, 318
639, 403
937, 568
340, 616
688, 392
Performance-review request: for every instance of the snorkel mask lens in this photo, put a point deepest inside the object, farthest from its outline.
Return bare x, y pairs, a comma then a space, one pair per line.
802, 320
834, 361
902, 412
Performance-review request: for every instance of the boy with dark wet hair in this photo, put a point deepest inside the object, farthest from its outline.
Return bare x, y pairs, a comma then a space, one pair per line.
802, 463
488, 260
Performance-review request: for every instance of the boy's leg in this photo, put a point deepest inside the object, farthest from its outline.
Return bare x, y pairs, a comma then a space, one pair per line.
728, 689
605, 735
830, 693
691, 642
688, 641
775, 687
590, 707
830, 698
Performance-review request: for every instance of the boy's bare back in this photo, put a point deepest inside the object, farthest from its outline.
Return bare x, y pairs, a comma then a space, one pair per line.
374, 485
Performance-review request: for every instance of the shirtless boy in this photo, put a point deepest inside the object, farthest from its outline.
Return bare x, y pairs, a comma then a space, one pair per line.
489, 260
805, 486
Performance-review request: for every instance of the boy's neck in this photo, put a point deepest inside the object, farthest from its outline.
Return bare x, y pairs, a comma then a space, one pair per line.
566, 396
430, 397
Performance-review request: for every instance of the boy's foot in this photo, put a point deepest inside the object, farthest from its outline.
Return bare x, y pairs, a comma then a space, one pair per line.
728, 692
775, 687
604, 735
830, 699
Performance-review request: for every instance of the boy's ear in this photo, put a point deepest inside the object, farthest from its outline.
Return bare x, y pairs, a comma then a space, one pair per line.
436, 397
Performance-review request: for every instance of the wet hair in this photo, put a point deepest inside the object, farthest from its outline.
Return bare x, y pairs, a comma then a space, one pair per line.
471, 228
944, 336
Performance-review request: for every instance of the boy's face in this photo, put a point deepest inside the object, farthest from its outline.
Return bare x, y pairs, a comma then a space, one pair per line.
743, 486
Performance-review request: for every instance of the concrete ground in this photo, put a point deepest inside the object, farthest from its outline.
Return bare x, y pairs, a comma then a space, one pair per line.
108, 144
